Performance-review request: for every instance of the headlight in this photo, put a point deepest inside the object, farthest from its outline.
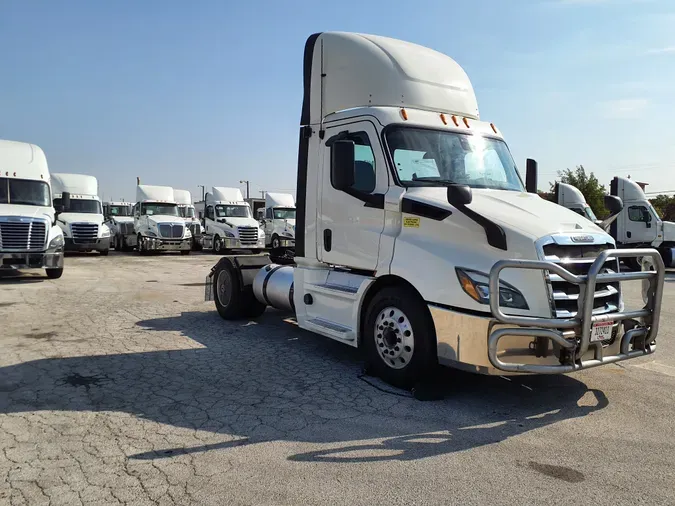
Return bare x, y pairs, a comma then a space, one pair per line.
150, 233
57, 242
287, 234
188, 234
105, 232
228, 234
477, 286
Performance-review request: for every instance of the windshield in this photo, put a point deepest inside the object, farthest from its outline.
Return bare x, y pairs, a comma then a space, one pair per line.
119, 211
590, 214
233, 211
281, 213
160, 209
24, 192
436, 158
187, 211
81, 206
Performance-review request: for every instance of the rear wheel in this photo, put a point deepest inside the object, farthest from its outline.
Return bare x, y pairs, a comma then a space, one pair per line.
399, 337
233, 302
54, 273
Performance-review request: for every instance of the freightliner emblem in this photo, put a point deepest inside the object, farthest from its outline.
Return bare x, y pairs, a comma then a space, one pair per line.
582, 238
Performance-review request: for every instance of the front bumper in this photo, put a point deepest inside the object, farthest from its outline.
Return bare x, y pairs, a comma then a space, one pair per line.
158, 244
235, 243
98, 245
52, 259
286, 242
501, 343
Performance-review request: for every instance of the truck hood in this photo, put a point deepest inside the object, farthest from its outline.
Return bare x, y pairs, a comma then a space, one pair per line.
668, 231
123, 219
80, 218
27, 211
527, 213
158, 218
240, 222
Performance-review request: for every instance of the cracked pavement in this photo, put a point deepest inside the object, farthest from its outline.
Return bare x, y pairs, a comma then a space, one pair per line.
119, 385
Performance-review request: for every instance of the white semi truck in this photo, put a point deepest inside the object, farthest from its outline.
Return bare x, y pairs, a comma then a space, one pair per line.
417, 240
570, 197
119, 219
228, 222
79, 213
186, 209
158, 225
29, 236
279, 221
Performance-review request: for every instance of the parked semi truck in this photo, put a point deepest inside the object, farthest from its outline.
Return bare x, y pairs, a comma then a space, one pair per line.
228, 222
570, 197
158, 225
119, 219
279, 221
29, 236
417, 240
186, 209
79, 213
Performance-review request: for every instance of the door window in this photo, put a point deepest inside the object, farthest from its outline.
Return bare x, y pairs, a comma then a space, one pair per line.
639, 213
209, 212
364, 161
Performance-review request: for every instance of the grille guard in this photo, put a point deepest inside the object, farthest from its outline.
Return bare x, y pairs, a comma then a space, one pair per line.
582, 323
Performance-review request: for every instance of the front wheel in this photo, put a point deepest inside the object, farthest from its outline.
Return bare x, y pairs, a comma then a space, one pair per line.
104, 253
399, 337
54, 273
185, 252
140, 245
276, 243
217, 245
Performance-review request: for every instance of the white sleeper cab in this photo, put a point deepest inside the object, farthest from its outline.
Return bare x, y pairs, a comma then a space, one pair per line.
79, 213
119, 219
418, 241
229, 223
158, 225
279, 220
186, 210
29, 236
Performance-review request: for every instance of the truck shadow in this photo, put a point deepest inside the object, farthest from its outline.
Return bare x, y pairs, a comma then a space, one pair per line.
255, 386
13, 277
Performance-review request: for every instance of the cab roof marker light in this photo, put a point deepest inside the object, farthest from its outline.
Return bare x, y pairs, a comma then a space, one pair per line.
404, 114
454, 120
494, 128
466, 122
445, 121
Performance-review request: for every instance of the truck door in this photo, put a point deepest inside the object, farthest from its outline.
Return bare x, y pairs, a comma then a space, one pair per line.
350, 224
640, 226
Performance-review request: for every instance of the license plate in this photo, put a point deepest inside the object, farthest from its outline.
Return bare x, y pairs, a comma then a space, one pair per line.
601, 331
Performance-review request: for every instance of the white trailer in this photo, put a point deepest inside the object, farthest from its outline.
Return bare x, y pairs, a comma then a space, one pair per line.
186, 209
119, 219
158, 225
29, 236
228, 222
417, 240
79, 213
279, 221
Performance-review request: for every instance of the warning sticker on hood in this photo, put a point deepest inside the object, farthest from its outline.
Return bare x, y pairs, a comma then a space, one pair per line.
410, 222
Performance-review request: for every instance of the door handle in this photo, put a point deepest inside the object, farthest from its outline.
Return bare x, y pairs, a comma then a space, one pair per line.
327, 239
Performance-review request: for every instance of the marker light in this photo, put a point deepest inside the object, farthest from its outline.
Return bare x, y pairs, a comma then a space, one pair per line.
466, 122
404, 114
445, 122
454, 120
494, 128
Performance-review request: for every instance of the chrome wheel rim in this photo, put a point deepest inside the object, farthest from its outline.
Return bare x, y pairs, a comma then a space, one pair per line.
394, 338
275, 242
224, 287
216, 244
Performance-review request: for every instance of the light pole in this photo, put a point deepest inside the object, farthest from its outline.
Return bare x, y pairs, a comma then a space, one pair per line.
247, 187
262, 192
203, 190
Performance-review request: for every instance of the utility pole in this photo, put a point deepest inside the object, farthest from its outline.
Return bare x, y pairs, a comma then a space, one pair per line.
247, 188
262, 192
203, 190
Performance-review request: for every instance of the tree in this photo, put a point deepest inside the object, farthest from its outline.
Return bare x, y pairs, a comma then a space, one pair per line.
588, 185
665, 206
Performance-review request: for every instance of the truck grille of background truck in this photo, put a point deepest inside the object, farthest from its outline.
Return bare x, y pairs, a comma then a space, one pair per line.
84, 233
248, 235
171, 231
22, 236
126, 228
577, 259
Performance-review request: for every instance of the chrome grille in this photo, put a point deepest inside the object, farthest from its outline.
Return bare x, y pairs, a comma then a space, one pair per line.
171, 231
84, 232
248, 235
194, 228
22, 235
578, 259
126, 228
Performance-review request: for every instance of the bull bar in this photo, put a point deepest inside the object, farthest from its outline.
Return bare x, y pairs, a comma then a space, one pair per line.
574, 334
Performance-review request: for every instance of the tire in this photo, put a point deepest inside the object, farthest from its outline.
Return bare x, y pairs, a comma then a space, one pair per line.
217, 245
104, 253
409, 338
276, 243
185, 252
226, 291
54, 273
632, 264
139, 246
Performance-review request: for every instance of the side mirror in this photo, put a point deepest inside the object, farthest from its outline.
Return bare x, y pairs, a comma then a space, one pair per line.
613, 204
531, 176
59, 209
65, 199
342, 164
459, 195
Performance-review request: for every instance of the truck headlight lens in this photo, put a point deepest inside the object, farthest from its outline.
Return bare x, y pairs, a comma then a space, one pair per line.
287, 234
228, 234
188, 234
151, 233
105, 232
477, 286
56, 243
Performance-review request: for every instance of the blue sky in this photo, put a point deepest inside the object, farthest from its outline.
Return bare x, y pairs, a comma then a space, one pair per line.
209, 92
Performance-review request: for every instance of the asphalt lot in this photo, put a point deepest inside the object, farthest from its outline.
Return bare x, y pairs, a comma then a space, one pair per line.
118, 384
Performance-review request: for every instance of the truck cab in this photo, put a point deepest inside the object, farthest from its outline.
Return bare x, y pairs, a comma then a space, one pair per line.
639, 225
79, 213
570, 197
158, 226
229, 223
279, 221
421, 243
29, 236
118, 217
186, 209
